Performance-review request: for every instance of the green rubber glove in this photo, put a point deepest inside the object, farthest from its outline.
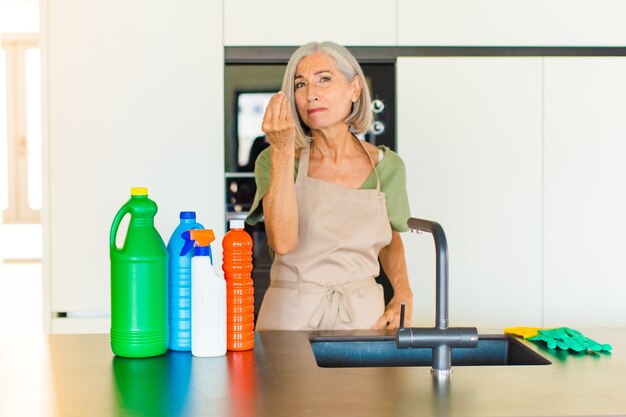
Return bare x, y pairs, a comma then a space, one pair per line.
565, 338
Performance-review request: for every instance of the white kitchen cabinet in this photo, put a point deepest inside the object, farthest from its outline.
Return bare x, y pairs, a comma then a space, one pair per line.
470, 131
134, 98
511, 23
285, 23
585, 191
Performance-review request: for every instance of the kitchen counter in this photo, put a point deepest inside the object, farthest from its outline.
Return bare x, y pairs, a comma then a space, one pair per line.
77, 375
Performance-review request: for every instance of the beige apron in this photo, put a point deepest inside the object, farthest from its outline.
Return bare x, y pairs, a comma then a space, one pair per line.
327, 281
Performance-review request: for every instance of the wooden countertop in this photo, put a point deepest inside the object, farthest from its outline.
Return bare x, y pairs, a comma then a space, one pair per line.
77, 375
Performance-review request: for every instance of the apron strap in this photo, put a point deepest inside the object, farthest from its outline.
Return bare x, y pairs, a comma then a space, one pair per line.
373, 164
303, 164
334, 303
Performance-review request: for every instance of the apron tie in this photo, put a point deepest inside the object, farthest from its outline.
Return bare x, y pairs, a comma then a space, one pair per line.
334, 302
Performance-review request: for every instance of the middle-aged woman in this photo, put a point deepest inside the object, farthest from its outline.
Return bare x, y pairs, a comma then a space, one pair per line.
333, 204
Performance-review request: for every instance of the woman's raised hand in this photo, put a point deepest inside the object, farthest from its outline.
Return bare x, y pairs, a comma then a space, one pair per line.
278, 123
280, 208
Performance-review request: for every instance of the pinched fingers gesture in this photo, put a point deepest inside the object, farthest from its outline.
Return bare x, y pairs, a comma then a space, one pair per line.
278, 123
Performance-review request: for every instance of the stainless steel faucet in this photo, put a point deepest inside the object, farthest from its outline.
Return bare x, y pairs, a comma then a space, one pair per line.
440, 338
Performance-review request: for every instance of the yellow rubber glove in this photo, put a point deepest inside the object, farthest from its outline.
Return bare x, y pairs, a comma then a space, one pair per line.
524, 332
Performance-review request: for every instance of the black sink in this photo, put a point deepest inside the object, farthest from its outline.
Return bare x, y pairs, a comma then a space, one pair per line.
381, 351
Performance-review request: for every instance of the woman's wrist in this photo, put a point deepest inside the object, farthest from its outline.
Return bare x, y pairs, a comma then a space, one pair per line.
403, 293
282, 161
282, 156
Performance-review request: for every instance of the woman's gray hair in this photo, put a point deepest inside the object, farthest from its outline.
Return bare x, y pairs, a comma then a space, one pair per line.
360, 118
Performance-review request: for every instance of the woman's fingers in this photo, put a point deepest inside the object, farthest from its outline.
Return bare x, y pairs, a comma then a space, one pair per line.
285, 111
276, 112
389, 320
391, 317
382, 323
277, 123
269, 115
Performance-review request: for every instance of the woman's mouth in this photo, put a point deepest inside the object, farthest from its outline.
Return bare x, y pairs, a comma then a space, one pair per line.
316, 110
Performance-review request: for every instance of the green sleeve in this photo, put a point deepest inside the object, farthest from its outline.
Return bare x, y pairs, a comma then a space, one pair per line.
262, 179
392, 173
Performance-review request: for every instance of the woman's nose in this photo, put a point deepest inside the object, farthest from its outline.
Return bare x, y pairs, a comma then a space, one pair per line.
311, 93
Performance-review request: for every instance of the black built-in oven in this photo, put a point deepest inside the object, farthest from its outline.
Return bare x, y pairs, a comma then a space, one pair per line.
251, 75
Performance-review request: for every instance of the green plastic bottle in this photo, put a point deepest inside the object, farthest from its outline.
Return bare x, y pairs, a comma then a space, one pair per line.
139, 326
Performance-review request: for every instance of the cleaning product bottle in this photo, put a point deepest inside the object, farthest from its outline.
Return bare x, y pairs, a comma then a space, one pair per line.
138, 282
237, 266
179, 278
208, 297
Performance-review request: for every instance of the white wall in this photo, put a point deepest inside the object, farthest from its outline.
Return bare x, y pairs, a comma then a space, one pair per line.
585, 191
511, 23
283, 22
427, 22
521, 161
19, 16
469, 130
18, 241
135, 98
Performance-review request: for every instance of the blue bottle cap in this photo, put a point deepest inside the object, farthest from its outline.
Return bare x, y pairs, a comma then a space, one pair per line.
188, 215
203, 251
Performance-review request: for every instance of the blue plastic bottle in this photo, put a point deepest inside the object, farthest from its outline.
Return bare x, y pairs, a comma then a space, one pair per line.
179, 277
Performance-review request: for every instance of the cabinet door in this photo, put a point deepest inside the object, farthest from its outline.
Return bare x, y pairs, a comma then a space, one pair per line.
511, 23
127, 105
585, 191
469, 131
288, 23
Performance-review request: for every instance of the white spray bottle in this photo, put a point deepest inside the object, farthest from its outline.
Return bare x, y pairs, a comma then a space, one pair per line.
208, 297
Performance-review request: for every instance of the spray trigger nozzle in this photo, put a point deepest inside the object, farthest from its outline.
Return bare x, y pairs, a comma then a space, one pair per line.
188, 243
202, 239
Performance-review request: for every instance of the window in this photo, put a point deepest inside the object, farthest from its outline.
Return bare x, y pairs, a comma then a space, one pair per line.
20, 125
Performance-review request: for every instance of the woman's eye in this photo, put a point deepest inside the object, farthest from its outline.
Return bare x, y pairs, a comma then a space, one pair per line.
299, 84
324, 79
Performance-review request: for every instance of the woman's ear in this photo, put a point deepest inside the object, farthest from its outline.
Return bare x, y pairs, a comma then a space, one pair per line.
357, 87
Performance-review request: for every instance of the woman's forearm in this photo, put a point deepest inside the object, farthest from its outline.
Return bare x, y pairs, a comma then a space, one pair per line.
393, 262
279, 204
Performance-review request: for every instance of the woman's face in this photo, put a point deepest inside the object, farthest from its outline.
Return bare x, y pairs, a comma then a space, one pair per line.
322, 93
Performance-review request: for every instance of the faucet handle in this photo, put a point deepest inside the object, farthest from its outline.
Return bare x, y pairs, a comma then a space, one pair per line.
402, 316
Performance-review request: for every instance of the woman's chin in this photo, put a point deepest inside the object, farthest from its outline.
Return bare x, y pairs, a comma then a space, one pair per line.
321, 125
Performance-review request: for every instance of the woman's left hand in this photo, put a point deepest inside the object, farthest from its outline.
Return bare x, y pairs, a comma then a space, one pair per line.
393, 263
391, 317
